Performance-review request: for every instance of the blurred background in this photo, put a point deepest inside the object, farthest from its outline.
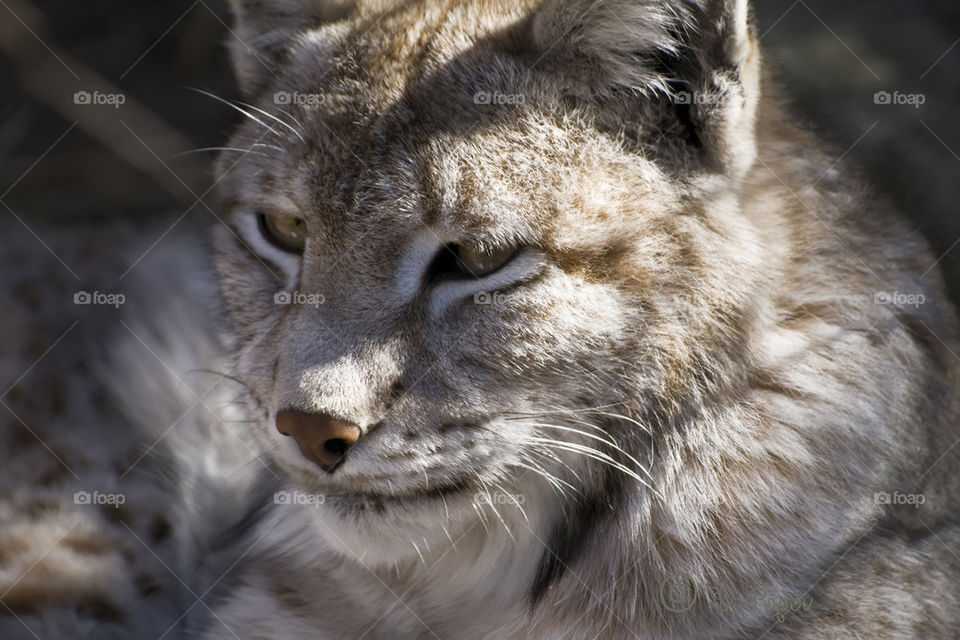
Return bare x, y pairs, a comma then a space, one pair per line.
60, 160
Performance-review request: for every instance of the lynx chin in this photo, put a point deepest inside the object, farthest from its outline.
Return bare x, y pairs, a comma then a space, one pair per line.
600, 337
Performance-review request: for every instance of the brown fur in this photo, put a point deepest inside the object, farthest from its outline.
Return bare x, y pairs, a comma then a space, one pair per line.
707, 270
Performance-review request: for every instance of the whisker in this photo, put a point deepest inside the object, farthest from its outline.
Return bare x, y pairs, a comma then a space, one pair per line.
520, 415
593, 454
218, 149
267, 146
611, 443
620, 416
553, 481
241, 110
275, 119
476, 507
515, 501
554, 457
422, 559
496, 512
453, 543
589, 424
292, 117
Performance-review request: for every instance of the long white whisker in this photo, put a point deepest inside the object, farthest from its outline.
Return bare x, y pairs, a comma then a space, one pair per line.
476, 507
497, 513
609, 440
515, 501
620, 416
554, 482
292, 117
552, 456
483, 517
241, 110
599, 456
282, 123
589, 424
599, 439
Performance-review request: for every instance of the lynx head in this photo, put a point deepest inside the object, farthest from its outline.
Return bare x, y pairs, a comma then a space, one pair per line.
485, 245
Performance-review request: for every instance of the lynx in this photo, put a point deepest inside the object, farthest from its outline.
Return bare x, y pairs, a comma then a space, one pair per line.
553, 323
603, 343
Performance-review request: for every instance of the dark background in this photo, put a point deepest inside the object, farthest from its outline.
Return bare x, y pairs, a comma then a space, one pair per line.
61, 161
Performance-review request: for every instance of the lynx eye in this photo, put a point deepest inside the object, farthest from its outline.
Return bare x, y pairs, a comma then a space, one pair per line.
459, 261
481, 263
284, 232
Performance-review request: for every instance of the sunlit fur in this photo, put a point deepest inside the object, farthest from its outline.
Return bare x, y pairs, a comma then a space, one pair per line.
688, 371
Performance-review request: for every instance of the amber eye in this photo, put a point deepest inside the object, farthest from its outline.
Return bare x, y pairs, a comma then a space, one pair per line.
483, 262
459, 261
284, 232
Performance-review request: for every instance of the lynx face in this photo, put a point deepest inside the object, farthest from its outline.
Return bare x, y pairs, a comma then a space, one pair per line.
472, 235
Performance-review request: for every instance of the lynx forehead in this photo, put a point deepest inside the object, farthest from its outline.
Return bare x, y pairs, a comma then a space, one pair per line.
550, 301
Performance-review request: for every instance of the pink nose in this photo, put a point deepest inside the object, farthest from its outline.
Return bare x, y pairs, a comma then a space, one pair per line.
321, 437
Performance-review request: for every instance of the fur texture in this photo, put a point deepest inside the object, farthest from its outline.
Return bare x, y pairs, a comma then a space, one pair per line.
693, 373
712, 395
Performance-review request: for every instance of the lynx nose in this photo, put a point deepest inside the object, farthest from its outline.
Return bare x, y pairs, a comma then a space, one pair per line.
321, 437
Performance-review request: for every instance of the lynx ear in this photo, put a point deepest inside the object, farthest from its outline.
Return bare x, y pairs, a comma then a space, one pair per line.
266, 30
698, 56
